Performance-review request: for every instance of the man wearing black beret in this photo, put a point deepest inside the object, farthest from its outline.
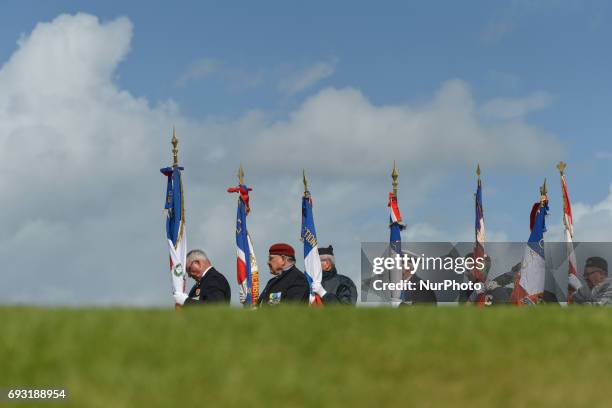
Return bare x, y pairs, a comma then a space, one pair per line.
335, 288
289, 284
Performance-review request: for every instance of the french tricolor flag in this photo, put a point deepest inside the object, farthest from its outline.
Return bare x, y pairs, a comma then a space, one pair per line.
312, 262
568, 222
395, 245
479, 232
246, 264
529, 284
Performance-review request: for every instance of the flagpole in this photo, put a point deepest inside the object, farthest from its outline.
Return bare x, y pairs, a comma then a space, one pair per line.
174, 141
561, 167
247, 271
478, 185
569, 232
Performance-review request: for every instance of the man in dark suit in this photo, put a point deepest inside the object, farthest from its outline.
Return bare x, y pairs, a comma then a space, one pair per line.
334, 288
289, 285
211, 287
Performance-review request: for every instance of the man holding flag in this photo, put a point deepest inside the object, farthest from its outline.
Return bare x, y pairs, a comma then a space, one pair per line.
246, 265
289, 285
175, 225
312, 262
529, 283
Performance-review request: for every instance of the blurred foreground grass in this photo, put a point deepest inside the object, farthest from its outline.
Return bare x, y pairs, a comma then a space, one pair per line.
446, 356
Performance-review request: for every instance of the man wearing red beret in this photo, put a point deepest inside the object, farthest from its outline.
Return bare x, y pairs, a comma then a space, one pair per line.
289, 283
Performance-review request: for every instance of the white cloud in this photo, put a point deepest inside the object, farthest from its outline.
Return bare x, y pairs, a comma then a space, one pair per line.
512, 108
82, 194
307, 77
592, 222
339, 131
199, 69
235, 78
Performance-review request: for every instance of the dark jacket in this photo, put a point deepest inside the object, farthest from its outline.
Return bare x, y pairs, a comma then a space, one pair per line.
212, 288
290, 286
418, 296
340, 289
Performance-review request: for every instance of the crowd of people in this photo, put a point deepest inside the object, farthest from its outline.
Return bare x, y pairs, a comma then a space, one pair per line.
287, 285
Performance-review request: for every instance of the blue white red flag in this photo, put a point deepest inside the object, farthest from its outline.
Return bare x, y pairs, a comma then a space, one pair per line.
175, 226
395, 245
247, 271
568, 223
479, 232
312, 262
529, 283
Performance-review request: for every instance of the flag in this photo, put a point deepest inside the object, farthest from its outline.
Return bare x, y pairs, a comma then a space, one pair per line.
568, 223
175, 226
395, 245
529, 282
312, 262
479, 233
247, 271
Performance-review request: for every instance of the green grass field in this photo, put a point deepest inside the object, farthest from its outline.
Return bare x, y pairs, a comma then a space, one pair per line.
460, 356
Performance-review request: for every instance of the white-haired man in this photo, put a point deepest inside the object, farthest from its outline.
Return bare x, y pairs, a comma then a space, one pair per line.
211, 286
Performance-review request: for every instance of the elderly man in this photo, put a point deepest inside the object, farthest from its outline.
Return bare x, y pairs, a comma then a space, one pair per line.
211, 287
599, 291
334, 288
288, 284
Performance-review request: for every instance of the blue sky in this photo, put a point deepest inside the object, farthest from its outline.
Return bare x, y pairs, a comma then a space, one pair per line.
215, 67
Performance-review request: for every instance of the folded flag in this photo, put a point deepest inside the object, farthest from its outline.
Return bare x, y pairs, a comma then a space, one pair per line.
479, 251
529, 282
247, 271
396, 226
174, 210
568, 224
312, 262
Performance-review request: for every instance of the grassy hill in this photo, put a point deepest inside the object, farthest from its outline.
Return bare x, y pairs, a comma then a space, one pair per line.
443, 356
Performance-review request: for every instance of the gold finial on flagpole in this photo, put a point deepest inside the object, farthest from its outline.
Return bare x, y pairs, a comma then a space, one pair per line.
174, 148
394, 175
543, 192
478, 172
305, 181
240, 175
561, 166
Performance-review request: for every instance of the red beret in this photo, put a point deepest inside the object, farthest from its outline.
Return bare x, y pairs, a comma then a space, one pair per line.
282, 249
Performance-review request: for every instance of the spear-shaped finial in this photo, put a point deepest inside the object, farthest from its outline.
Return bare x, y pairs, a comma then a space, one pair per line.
561, 166
543, 192
394, 175
305, 181
240, 175
174, 148
478, 172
